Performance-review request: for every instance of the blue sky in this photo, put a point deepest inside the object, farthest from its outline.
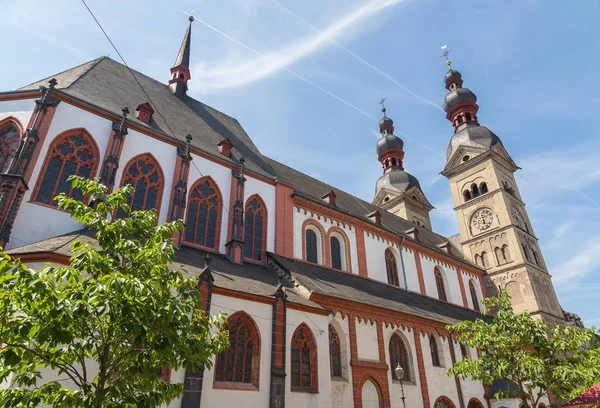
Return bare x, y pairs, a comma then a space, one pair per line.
304, 78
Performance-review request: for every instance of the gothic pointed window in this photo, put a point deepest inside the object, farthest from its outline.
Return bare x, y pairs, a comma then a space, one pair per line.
435, 354
335, 353
336, 253
391, 268
145, 176
255, 228
73, 153
474, 296
439, 283
10, 137
304, 360
443, 402
239, 364
203, 219
399, 356
311, 245
474, 403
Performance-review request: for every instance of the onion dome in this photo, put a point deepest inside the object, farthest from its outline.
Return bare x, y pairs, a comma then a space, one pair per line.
457, 96
397, 180
389, 141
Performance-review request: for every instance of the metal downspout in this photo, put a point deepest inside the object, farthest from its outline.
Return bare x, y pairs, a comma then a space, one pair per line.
402, 264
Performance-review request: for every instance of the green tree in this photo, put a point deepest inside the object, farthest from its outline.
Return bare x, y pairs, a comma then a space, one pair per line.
108, 321
533, 356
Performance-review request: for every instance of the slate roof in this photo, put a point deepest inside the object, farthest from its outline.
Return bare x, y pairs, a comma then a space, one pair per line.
110, 86
313, 189
249, 278
356, 288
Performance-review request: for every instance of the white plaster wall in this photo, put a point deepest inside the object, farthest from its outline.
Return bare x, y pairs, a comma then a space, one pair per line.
267, 193
375, 249
165, 154
222, 177
470, 389
300, 215
370, 395
410, 267
35, 222
438, 383
366, 340
20, 110
466, 277
318, 325
450, 280
341, 388
412, 389
211, 397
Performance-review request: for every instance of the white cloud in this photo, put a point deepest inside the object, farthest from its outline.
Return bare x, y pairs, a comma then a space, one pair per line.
229, 75
580, 265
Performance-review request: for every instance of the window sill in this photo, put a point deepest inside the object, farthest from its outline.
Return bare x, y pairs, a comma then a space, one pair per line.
309, 390
339, 379
213, 250
218, 385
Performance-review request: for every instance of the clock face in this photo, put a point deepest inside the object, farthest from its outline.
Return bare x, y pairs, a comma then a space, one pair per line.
518, 220
482, 219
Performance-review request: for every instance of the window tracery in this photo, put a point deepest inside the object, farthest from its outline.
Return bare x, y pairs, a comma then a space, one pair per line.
10, 137
203, 217
399, 355
439, 283
255, 228
145, 176
391, 268
304, 360
335, 352
435, 354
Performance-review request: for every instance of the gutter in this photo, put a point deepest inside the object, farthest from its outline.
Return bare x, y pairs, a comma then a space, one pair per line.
402, 264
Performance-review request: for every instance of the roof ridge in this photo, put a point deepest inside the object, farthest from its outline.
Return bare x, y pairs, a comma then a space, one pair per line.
92, 63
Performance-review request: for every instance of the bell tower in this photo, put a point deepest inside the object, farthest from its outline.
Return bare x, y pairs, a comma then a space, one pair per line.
495, 230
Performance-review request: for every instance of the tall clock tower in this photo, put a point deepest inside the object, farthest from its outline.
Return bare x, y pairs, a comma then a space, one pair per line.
495, 231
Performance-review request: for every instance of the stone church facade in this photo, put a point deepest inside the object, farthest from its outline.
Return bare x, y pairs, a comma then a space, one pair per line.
326, 293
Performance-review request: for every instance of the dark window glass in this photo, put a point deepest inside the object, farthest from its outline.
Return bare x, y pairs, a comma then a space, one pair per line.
336, 253
439, 282
254, 228
463, 350
237, 364
203, 214
9, 143
399, 355
391, 268
311, 246
483, 188
68, 155
335, 353
435, 356
303, 370
474, 296
143, 174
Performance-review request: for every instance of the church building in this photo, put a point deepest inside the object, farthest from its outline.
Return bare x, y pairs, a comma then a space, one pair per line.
326, 294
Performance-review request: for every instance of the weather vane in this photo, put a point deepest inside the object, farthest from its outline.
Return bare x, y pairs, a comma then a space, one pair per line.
382, 103
191, 16
445, 52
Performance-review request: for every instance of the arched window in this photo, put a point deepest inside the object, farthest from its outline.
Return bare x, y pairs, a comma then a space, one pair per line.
463, 350
71, 153
474, 190
399, 355
304, 360
435, 354
484, 260
468, 116
391, 268
311, 245
439, 283
335, 353
443, 402
535, 257
475, 403
203, 219
483, 188
525, 251
240, 363
499, 256
255, 228
474, 295
336, 253
467, 195
506, 253
144, 174
10, 137
477, 260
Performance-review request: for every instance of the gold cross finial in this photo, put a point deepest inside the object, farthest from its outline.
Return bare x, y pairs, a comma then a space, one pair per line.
445, 53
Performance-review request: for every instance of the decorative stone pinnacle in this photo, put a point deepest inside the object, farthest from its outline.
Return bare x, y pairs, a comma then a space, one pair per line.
53, 82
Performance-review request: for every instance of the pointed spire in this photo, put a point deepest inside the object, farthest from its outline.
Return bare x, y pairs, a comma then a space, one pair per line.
183, 58
180, 73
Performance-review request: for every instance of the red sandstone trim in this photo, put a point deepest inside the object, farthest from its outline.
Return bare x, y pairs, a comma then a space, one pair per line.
324, 247
340, 231
42, 257
284, 220
43, 127
219, 214
15, 122
462, 287
361, 251
421, 365
420, 272
265, 225
314, 360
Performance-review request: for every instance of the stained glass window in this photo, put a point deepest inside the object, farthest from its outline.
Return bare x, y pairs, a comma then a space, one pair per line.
144, 174
311, 245
435, 355
474, 403
304, 359
336, 253
203, 218
255, 230
335, 353
73, 153
9, 142
391, 268
439, 283
240, 362
443, 402
399, 355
